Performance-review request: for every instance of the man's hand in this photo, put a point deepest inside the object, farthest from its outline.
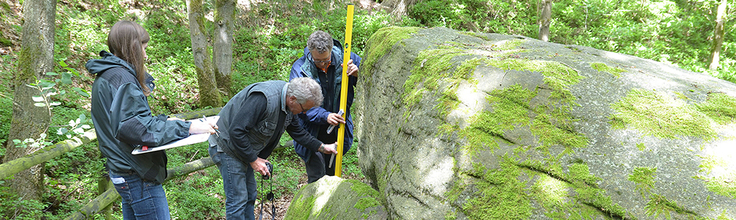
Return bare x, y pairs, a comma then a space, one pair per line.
335, 119
200, 127
259, 165
352, 69
328, 148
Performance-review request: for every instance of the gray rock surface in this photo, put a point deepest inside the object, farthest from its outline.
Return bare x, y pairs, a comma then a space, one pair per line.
458, 125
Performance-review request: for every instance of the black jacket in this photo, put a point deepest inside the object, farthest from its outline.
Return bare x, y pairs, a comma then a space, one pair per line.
252, 122
123, 120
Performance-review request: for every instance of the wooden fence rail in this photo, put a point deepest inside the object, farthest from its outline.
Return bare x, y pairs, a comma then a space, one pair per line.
104, 200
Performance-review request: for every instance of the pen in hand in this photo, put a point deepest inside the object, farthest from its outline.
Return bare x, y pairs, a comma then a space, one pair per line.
217, 131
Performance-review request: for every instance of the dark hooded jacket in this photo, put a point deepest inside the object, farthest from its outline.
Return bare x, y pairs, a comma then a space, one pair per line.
123, 120
315, 120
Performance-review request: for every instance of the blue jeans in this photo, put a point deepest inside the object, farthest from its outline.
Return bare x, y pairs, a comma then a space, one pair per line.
239, 183
141, 199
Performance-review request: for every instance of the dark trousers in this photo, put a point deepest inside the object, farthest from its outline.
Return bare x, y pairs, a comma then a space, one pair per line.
317, 166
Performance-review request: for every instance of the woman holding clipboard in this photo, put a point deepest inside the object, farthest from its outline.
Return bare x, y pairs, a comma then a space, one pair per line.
123, 121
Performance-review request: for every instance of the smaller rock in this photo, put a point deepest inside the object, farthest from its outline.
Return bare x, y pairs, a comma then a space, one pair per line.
336, 198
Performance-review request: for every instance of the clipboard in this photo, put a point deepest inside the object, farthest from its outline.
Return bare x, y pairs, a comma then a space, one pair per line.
192, 139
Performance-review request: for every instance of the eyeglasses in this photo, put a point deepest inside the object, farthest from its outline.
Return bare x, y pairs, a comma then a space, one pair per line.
304, 111
322, 62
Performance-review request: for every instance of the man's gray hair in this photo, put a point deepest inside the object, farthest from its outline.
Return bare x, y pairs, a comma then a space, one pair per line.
320, 42
304, 88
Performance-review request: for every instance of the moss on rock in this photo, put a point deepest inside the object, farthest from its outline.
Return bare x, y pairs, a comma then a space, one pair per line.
602, 67
719, 107
381, 42
658, 114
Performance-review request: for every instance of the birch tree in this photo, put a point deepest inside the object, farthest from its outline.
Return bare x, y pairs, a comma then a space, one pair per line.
718, 35
545, 18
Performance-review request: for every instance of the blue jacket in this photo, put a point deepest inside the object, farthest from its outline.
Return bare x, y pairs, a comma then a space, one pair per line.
315, 120
123, 120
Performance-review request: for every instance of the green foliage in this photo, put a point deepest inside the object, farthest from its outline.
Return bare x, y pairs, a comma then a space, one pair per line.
517, 17
172, 63
677, 32
198, 195
6, 114
13, 206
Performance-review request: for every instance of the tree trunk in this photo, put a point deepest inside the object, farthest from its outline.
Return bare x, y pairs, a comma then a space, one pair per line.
545, 18
36, 58
718, 35
208, 93
399, 8
223, 50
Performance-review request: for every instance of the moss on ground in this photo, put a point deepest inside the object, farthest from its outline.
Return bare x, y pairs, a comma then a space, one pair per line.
660, 115
602, 67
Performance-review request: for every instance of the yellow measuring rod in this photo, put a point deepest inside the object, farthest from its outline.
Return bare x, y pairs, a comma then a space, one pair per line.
344, 89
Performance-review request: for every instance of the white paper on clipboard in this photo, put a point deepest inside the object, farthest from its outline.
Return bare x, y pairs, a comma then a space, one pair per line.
192, 139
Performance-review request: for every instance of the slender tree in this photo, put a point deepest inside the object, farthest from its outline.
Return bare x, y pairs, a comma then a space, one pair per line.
208, 92
718, 35
29, 121
399, 8
545, 18
223, 34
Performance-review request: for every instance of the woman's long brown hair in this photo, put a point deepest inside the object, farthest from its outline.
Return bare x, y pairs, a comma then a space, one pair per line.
126, 40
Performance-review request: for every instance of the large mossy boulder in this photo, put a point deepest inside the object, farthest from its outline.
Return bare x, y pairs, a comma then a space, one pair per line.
336, 198
460, 125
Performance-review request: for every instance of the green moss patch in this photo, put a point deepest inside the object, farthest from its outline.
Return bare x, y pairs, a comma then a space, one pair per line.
382, 41
644, 179
429, 67
5, 42
602, 67
660, 206
724, 181
719, 107
511, 108
500, 195
641, 146
660, 115
300, 208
